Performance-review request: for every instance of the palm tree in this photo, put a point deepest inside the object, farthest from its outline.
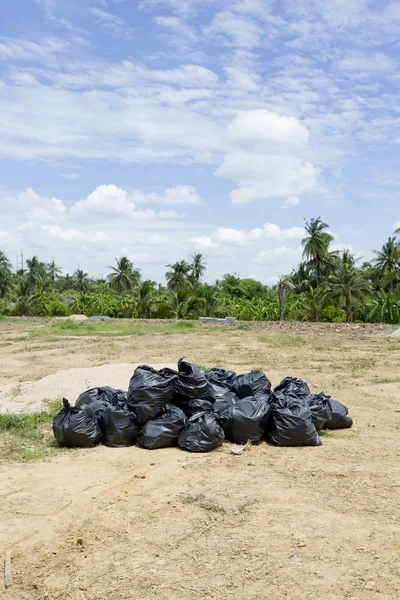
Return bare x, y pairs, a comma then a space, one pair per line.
283, 285
145, 299
178, 277
387, 261
347, 283
124, 277
316, 245
208, 300
53, 271
302, 279
198, 266
81, 280
180, 303
36, 271
313, 303
5, 275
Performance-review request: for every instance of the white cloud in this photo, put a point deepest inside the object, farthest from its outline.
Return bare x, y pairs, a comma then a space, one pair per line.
234, 29
265, 157
112, 24
396, 225
262, 131
106, 200
70, 175
269, 232
291, 201
179, 194
280, 258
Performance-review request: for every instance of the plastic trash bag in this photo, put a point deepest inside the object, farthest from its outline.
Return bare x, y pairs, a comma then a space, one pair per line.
76, 427
198, 405
163, 431
150, 391
221, 378
291, 422
119, 427
246, 420
340, 418
321, 409
191, 384
252, 384
223, 404
201, 434
106, 394
293, 387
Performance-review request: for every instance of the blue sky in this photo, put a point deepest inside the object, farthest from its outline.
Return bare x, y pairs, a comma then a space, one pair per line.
163, 127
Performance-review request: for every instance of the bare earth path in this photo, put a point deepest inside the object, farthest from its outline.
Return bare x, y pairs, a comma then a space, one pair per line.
273, 523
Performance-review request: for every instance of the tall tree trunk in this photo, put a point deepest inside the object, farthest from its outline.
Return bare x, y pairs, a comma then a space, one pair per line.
348, 308
281, 296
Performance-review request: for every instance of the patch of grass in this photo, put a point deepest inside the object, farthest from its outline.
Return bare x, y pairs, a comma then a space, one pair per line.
394, 348
203, 503
386, 380
281, 341
28, 436
118, 328
361, 364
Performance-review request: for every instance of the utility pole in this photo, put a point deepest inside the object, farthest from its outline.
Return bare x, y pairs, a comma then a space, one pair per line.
19, 263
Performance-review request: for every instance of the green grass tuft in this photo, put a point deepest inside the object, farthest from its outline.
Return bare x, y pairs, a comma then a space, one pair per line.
203, 503
28, 436
281, 341
394, 348
361, 364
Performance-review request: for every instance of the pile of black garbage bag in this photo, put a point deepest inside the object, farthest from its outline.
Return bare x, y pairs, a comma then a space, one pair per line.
197, 411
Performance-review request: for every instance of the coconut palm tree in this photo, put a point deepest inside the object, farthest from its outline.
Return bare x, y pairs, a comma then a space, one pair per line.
5, 275
178, 276
316, 245
180, 303
345, 284
284, 284
53, 271
208, 300
198, 266
36, 271
81, 280
302, 279
145, 299
387, 261
124, 277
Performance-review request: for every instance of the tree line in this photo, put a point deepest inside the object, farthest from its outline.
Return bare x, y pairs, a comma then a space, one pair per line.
326, 286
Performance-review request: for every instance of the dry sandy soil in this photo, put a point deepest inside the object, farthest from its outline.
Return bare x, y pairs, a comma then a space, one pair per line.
273, 523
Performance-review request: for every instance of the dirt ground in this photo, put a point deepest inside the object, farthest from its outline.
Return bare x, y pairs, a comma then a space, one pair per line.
273, 523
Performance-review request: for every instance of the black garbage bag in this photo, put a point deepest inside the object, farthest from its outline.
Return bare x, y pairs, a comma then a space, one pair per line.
221, 378
340, 418
163, 431
201, 434
119, 427
291, 422
223, 404
191, 384
105, 394
150, 391
197, 405
321, 409
294, 387
76, 427
252, 384
246, 420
